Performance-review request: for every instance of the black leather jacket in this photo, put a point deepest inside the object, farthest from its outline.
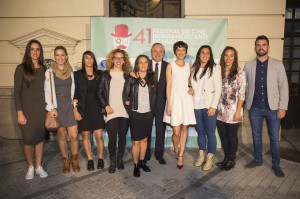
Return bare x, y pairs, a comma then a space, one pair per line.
131, 90
81, 90
103, 88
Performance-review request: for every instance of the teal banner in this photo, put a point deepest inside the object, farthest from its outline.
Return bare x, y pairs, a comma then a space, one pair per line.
137, 35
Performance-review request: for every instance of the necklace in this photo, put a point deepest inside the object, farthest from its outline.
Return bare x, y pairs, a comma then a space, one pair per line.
90, 76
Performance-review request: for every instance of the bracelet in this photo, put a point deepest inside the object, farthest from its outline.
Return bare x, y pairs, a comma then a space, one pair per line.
75, 104
190, 87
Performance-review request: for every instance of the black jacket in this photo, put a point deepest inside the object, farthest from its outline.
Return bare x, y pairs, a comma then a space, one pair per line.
131, 90
104, 87
81, 89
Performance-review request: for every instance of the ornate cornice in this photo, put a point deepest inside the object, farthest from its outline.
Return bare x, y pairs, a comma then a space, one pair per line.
49, 39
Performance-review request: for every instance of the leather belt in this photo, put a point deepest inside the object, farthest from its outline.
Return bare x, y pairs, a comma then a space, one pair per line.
63, 96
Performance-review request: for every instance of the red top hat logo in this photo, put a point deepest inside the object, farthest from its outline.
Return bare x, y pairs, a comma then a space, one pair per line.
121, 30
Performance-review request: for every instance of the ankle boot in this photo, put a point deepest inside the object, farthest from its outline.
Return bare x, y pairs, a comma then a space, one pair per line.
224, 160
75, 162
66, 168
90, 165
136, 170
230, 163
120, 162
209, 162
200, 159
100, 164
144, 166
113, 165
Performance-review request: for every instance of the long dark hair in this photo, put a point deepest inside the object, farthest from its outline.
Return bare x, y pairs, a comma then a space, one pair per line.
95, 70
209, 65
234, 68
27, 63
150, 74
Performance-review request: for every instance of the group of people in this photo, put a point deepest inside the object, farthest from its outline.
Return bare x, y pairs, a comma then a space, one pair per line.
206, 94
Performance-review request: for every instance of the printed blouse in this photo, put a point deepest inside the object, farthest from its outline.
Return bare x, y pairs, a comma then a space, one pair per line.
230, 95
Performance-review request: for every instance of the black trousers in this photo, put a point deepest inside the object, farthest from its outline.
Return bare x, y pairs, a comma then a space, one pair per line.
117, 127
160, 128
228, 136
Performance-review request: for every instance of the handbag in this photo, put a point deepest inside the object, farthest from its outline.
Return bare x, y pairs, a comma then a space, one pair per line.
51, 123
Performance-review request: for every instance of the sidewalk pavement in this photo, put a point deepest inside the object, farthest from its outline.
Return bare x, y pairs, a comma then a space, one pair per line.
164, 181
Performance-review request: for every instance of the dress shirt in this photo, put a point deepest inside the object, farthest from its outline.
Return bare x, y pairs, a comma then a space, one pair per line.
260, 99
159, 68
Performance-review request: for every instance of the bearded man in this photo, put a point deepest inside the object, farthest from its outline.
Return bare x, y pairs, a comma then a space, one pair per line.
267, 98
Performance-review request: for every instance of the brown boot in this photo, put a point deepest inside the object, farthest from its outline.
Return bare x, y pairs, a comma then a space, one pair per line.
66, 168
75, 162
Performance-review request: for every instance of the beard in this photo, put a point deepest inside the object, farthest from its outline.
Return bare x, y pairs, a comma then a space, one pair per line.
261, 53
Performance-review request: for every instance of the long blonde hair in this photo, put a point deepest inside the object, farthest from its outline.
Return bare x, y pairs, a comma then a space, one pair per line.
110, 64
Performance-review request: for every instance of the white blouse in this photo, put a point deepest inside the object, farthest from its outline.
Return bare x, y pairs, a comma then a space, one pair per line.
198, 87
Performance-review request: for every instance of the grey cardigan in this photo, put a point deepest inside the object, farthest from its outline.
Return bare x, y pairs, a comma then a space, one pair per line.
277, 84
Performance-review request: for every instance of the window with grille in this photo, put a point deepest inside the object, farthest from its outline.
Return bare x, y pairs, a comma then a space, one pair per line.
291, 52
145, 8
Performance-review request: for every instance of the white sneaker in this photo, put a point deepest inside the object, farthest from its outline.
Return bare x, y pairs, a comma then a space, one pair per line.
30, 173
40, 171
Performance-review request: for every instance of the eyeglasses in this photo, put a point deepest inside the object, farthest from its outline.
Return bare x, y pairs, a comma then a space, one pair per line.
119, 58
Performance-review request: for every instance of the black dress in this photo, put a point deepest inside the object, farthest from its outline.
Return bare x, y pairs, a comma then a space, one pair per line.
93, 117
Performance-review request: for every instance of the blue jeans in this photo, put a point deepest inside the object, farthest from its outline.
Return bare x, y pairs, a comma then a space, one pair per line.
206, 128
256, 117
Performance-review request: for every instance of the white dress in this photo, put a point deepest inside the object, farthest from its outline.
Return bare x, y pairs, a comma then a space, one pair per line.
181, 102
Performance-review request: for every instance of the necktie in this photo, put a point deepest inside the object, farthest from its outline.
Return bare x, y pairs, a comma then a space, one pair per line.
156, 71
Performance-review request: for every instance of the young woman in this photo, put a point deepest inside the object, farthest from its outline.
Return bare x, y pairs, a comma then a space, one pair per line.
207, 85
110, 96
179, 108
29, 92
63, 87
87, 109
139, 96
230, 111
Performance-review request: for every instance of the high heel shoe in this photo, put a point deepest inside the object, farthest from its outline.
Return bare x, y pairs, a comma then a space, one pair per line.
90, 165
100, 163
178, 165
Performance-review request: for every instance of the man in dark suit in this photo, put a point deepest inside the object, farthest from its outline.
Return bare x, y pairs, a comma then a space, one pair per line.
159, 66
